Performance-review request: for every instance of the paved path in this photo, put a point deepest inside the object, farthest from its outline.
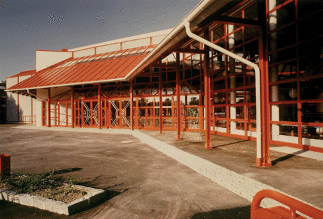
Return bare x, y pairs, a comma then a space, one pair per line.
240, 184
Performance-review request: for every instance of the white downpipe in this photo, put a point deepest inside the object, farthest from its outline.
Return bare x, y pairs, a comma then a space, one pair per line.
245, 61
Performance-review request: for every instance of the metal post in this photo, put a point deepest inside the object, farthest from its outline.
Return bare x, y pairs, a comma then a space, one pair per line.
72, 106
48, 108
32, 110
160, 103
207, 94
82, 113
66, 114
200, 113
18, 107
264, 92
99, 106
233, 94
131, 104
265, 129
178, 96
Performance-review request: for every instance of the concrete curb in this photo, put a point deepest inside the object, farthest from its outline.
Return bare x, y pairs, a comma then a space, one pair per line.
92, 197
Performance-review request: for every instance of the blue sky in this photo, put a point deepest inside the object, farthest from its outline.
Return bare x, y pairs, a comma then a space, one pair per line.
30, 25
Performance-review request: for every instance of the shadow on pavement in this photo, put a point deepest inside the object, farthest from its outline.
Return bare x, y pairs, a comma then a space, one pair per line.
241, 212
68, 170
286, 157
232, 143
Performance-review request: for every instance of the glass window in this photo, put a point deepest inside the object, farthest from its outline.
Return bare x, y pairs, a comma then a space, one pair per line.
219, 98
283, 71
285, 14
288, 112
312, 112
219, 112
283, 92
251, 12
311, 89
219, 85
306, 7
218, 32
283, 55
282, 38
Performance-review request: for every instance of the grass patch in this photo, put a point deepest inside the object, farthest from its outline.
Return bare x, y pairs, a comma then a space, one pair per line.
42, 184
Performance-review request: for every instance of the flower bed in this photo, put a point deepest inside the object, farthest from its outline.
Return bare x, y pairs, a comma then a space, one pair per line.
43, 192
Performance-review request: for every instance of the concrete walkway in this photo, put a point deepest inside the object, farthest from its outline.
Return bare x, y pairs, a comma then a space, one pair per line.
227, 175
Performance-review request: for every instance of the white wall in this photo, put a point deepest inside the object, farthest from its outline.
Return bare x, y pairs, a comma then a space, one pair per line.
45, 59
18, 102
136, 43
41, 94
86, 52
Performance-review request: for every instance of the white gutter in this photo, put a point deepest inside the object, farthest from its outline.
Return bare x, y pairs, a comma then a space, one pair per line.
66, 85
245, 61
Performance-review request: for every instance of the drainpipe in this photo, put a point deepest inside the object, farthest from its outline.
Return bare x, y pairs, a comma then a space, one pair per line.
257, 78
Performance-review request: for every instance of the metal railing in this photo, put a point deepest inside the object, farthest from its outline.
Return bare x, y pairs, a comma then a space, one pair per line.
279, 211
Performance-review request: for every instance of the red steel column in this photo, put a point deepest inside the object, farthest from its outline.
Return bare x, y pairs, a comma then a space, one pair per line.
160, 102
72, 106
99, 106
131, 105
18, 107
32, 110
200, 113
264, 93
178, 96
207, 94
82, 112
48, 108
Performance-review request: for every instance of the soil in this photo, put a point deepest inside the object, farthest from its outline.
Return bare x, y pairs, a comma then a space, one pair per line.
64, 193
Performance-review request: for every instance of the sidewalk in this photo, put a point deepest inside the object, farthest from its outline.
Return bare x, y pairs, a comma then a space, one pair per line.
296, 173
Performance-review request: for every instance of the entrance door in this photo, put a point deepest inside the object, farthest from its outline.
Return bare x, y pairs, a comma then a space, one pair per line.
86, 113
120, 113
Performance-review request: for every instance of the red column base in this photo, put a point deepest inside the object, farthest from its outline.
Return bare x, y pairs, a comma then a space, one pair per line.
179, 138
208, 146
259, 163
268, 164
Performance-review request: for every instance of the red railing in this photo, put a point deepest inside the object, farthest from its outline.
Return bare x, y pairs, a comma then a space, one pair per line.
27, 119
281, 212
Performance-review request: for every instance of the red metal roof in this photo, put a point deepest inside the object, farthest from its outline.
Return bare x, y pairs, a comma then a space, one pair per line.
24, 73
85, 70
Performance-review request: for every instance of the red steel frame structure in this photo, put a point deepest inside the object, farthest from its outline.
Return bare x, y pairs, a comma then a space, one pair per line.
199, 89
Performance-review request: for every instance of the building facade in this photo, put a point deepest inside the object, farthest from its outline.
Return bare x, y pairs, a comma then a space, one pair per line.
246, 69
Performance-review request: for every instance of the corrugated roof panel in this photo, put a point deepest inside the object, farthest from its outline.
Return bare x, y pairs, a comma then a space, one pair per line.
102, 67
